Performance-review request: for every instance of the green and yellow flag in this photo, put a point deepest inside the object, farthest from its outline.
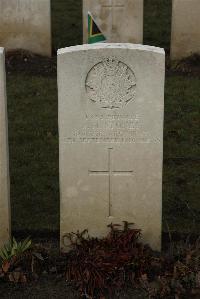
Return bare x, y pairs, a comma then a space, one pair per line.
94, 33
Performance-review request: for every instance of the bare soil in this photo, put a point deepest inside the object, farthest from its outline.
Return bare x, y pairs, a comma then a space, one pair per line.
29, 63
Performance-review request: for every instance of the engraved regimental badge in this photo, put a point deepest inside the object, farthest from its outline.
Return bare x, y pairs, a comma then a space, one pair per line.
111, 84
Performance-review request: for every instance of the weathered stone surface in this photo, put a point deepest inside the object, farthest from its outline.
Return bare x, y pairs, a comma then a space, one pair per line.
185, 37
4, 172
111, 100
121, 21
26, 24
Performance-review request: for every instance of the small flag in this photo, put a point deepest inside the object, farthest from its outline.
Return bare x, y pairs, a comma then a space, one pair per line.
94, 33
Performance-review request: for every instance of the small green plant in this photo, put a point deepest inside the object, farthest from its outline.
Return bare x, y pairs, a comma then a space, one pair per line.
11, 256
19, 261
14, 249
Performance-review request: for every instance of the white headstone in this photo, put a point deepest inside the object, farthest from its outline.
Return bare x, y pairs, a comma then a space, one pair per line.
26, 24
111, 99
121, 21
4, 172
185, 37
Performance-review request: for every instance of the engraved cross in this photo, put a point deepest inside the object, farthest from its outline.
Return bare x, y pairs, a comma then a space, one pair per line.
113, 5
110, 173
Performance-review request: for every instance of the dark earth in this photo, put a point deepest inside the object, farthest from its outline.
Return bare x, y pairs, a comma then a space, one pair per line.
32, 64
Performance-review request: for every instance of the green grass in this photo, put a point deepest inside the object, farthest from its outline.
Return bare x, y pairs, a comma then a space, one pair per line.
33, 140
157, 23
182, 108
33, 132
181, 178
66, 23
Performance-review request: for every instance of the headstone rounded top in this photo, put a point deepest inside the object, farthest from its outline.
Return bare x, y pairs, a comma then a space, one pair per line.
111, 46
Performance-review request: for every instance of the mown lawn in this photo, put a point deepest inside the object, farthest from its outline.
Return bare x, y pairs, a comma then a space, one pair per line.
33, 132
